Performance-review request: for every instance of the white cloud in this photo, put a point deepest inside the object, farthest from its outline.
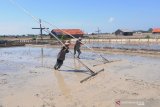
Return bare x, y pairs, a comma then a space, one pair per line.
111, 19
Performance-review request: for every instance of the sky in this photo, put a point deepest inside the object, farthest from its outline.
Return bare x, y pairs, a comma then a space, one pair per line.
88, 15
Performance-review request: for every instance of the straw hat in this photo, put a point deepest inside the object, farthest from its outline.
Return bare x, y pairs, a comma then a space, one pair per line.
80, 38
67, 42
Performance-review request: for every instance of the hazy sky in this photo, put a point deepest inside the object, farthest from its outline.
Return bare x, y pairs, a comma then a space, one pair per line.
88, 15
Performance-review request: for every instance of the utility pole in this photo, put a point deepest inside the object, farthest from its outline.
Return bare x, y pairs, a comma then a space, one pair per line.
41, 29
98, 30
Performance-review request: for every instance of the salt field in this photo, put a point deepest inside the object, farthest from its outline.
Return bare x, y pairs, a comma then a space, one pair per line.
153, 46
57, 53
27, 78
14, 59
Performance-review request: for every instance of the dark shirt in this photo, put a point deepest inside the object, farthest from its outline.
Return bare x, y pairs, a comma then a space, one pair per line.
77, 45
62, 53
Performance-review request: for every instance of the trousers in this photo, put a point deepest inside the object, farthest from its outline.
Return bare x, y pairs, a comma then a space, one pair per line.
78, 50
58, 64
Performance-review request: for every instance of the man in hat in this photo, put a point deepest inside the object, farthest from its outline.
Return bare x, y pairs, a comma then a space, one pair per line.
77, 47
61, 55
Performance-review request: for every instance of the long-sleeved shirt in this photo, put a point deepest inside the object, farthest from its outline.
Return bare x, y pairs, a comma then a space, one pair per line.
62, 53
78, 44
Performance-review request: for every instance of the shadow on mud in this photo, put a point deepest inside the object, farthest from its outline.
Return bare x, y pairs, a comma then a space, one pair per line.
76, 71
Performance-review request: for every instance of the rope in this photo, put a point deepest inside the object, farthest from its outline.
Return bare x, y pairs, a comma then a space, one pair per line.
47, 31
37, 20
74, 38
24, 10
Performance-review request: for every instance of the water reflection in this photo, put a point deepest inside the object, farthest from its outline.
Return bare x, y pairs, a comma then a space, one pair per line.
15, 59
76, 64
42, 57
146, 46
62, 85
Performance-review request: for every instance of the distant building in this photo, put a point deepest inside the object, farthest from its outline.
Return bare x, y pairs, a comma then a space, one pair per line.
156, 31
65, 32
141, 31
124, 32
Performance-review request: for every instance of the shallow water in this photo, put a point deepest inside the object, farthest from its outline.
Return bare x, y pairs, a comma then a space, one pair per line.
16, 58
126, 46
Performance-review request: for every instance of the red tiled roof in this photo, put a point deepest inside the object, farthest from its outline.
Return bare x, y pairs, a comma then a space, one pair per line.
70, 31
156, 30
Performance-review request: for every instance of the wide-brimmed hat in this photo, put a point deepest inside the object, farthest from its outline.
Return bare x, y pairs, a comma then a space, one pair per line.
67, 42
80, 38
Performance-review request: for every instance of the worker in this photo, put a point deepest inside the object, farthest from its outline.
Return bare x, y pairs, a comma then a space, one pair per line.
77, 47
61, 55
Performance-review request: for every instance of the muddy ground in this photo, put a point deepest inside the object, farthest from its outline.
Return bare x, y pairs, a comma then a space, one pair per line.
27, 79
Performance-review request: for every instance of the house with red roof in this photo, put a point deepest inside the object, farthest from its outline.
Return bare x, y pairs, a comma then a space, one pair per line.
66, 32
156, 30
